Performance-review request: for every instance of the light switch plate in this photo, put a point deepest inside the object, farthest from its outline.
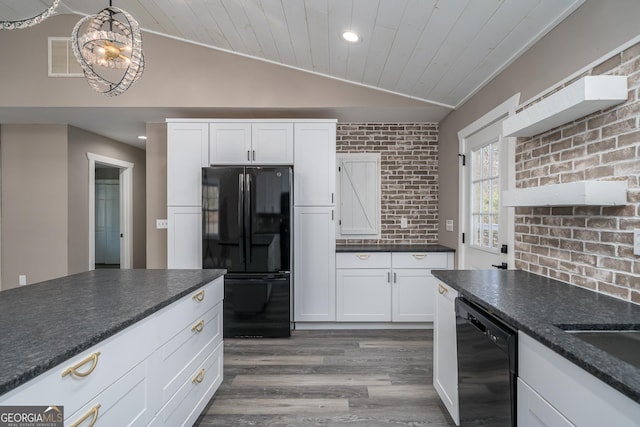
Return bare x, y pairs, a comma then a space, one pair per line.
162, 224
636, 241
449, 225
22, 279
403, 222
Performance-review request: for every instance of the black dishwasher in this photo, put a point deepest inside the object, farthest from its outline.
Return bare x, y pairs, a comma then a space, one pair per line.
487, 367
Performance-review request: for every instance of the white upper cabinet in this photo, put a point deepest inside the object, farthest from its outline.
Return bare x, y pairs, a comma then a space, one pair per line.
187, 153
359, 196
315, 163
241, 143
272, 143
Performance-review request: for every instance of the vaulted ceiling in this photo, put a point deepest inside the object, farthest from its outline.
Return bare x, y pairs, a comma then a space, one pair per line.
437, 51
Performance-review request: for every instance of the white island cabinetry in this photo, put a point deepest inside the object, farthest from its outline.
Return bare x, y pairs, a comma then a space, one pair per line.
160, 371
445, 349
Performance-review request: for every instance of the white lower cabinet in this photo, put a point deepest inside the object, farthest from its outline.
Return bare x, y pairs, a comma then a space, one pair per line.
445, 349
161, 370
387, 286
314, 271
534, 411
184, 237
555, 392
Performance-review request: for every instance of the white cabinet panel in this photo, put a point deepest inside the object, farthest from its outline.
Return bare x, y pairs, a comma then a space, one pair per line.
445, 349
272, 143
187, 153
413, 292
534, 411
314, 264
230, 143
246, 143
184, 237
315, 164
363, 295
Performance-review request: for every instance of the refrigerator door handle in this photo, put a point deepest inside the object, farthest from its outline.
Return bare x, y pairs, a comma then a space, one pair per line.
240, 214
248, 219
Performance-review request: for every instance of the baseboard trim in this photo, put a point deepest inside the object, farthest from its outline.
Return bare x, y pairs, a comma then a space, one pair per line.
302, 326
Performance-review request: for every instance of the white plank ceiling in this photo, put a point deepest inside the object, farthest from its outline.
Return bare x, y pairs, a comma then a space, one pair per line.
437, 51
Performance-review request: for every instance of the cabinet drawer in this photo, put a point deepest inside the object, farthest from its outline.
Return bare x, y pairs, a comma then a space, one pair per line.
76, 381
182, 313
363, 260
182, 349
124, 403
204, 377
419, 260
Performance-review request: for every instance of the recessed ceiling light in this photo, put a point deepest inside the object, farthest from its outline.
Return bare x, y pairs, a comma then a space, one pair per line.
351, 36
142, 137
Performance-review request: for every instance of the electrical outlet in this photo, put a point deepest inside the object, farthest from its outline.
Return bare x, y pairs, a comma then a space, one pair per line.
22, 280
162, 224
403, 223
636, 241
449, 225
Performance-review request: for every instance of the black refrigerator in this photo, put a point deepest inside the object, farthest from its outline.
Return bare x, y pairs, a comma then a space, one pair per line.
246, 225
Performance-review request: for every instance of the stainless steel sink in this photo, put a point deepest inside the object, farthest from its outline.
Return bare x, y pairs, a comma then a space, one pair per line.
625, 345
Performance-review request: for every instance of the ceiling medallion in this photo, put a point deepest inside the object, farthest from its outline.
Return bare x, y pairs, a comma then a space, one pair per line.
108, 47
24, 23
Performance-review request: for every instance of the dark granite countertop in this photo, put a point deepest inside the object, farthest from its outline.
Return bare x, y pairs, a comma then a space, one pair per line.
537, 306
394, 248
46, 323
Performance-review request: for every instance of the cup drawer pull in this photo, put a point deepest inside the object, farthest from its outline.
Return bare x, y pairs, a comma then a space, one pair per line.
419, 256
199, 297
199, 377
363, 256
74, 370
93, 413
198, 327
442, 290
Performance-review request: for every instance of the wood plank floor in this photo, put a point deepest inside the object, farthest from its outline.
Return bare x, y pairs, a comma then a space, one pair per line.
328, 378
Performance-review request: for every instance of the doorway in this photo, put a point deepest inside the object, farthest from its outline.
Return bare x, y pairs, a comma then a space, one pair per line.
487, 227
107, 216
110, 212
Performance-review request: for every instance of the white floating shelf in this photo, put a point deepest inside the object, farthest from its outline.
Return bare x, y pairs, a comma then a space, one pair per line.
585, 96
581, 193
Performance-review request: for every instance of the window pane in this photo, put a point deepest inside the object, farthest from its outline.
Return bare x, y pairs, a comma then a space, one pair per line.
477, 197
486, 161
485, 230
476, 165
476, 229
496, 230
495, 196
486, 195
495, 159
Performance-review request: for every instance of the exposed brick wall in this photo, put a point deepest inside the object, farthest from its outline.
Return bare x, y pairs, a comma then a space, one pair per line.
409, 169
586, 246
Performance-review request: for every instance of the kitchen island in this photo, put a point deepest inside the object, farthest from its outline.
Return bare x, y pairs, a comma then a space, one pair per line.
543, 310
69, 340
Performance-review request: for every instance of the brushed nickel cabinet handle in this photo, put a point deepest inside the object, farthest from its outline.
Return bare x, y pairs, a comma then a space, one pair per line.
93, 412
199, 377
442, 290
363, 256
419, 256
73, 370
199, 297
198, 327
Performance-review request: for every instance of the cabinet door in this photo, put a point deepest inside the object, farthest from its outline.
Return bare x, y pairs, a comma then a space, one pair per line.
272, 143
534, 411
230, 143
445, 349
314, 270
184, 237
412, 298
363, 295
314, 164
187, 153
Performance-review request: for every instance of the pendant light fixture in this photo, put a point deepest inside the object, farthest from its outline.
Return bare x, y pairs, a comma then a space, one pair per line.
108, 47
30, 22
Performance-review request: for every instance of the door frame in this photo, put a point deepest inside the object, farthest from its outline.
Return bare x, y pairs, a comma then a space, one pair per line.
126, 208
499, 113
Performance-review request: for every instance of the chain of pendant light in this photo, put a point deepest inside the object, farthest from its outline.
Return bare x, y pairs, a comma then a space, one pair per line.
29, 22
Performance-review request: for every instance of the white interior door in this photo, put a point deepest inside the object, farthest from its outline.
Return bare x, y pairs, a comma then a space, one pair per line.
486, 227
